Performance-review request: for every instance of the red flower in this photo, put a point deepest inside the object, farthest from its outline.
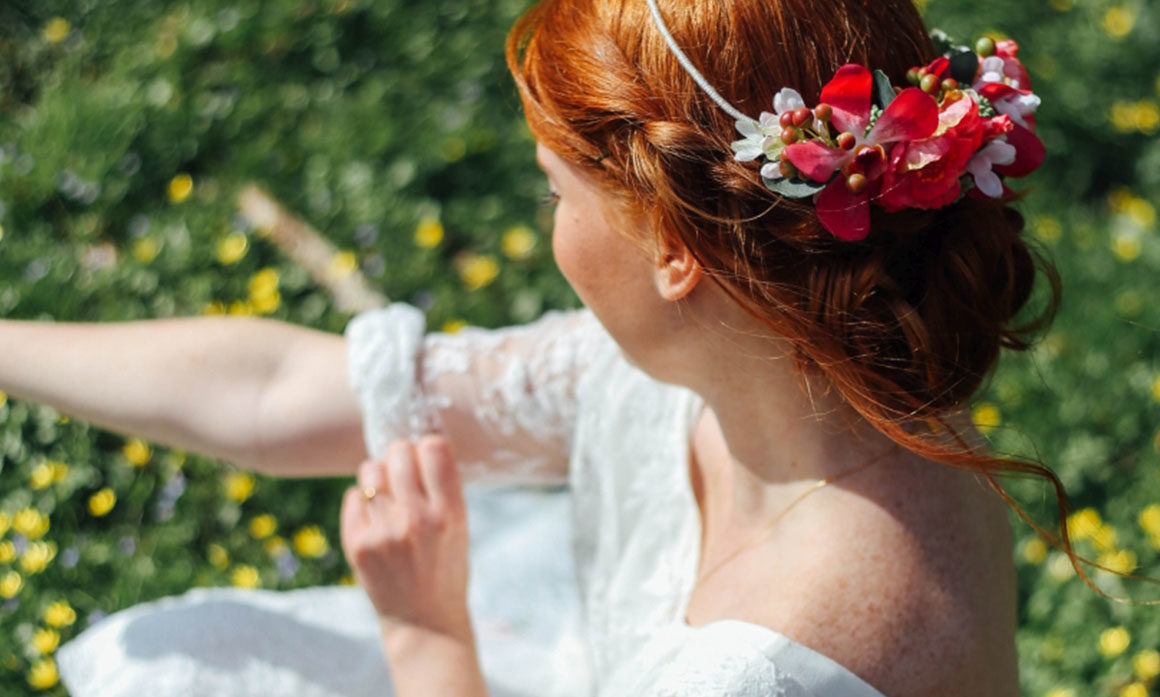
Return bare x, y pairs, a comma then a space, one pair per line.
925, 173
912, 115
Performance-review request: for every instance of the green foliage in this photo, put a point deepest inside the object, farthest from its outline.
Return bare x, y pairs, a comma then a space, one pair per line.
1086, 401
378, 120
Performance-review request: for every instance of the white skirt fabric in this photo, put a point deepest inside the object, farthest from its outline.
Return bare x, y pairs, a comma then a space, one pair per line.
323, 642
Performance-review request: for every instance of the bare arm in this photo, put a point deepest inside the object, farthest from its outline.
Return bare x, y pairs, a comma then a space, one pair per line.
265, 395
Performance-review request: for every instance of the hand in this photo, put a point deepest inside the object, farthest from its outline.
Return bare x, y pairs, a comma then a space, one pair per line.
407, 542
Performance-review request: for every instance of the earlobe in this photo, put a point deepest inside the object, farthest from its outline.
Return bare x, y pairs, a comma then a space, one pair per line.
677, 272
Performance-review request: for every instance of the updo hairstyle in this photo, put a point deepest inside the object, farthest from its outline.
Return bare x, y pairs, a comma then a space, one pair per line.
906, 324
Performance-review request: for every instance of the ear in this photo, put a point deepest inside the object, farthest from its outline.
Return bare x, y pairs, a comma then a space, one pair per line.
677, 271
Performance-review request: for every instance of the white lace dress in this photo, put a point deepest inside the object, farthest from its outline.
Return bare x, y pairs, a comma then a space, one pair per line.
572, 596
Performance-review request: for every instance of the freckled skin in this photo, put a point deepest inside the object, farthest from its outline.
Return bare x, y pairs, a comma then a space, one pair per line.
903, 575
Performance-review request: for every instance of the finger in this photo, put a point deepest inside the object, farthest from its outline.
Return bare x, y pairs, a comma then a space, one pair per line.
401, 472
352, 521
372, 476
440, 474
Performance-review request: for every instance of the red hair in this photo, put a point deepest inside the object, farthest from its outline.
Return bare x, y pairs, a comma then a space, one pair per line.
907, 324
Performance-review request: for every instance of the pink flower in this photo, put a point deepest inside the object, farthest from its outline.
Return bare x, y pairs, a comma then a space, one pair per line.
912, 115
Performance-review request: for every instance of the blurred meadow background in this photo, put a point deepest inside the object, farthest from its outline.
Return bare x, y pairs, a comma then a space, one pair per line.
129, 127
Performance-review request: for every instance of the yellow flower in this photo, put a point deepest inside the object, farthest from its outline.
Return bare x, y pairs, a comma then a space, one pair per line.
263, 526
218, 556
518, 242
1118, 22
1060, 692
347, 580
986, 417
1126, 246
240, 308
1048, 229
452, 326
7, 552
145, 250
1084, 524
310, 542
1035, 550
37, 556
264, 281
55, 30
232, 248
41, 477
264, 295
239, 486
137, 452
1146, 664
246, 576
60, 614
31, 523
1156, 393
429, 233
1059, 567
10, 584
102, 502
275, 546
477, 270
343, 264
1141, 212
1135, 689
1147, 116
1123, 561
1104, 538
1123, 116
1149, 519
5, 522
45, 640
214, 308
180, 188
43, 674
1114, 641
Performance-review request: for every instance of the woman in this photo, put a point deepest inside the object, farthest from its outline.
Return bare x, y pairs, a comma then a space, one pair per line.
760, 414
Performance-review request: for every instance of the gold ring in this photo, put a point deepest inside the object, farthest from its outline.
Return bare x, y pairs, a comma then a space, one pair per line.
369, 492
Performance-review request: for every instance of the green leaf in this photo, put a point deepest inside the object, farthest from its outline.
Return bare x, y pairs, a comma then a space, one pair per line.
964, 66
793, 188
883, 90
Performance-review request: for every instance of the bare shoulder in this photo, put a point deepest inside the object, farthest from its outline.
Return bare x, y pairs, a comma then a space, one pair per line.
907, 581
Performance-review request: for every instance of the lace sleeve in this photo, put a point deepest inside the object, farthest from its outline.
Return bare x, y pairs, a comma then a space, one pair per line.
506, 399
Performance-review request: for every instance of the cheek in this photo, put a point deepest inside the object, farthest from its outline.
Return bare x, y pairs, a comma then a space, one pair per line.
574, 255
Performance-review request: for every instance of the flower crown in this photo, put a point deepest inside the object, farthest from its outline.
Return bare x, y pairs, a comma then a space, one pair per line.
965, 121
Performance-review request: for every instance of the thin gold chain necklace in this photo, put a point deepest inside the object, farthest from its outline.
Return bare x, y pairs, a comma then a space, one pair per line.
768, 527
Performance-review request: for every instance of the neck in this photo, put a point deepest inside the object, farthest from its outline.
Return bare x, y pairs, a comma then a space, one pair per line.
780, 429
